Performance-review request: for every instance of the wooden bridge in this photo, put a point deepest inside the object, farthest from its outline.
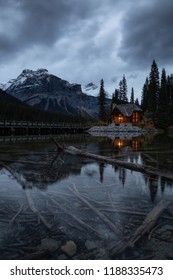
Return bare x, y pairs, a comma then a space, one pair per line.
40, 128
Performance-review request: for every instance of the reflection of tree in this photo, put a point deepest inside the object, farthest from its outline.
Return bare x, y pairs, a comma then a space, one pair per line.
165, 182
115, 168
136, 158
153, 186
101, 170
162, 184
152, 182
122, 175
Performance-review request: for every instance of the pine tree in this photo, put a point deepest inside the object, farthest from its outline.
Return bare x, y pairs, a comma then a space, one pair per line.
132, 100
116, 97
123, 90
124, 85
137, 102
144, 97
163, 94
102, 101
153, 90
170, 89
170, 97
157, 97
163, 104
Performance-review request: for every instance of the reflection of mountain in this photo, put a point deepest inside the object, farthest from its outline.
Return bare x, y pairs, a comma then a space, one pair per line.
39, 164
44, 169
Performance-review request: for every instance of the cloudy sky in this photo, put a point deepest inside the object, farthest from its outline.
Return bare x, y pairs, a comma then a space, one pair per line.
83, 41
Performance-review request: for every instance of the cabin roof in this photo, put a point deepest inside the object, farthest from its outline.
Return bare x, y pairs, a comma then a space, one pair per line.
127, 109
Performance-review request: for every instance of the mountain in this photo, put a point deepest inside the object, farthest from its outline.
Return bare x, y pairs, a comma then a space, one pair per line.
50, 93
12, 108
90, 89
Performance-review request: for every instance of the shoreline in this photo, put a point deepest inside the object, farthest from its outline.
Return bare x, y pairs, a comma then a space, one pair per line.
122, 130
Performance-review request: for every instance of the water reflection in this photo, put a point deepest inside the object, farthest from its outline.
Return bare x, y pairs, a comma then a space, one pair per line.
36, 177
47, 166
147, 149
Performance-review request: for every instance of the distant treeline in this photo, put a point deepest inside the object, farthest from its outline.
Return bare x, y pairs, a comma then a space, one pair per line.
13, 109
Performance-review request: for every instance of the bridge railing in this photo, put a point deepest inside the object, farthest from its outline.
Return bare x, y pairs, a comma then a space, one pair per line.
7, 123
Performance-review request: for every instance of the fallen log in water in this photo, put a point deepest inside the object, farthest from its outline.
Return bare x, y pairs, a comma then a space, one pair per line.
132, 166
28, 196
146, 227
35, 210
75, 218
96, 212
16, 215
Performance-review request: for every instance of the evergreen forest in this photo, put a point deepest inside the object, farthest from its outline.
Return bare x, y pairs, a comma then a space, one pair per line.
157, 97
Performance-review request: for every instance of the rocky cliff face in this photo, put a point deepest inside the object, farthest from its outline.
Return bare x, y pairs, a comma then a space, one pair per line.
50, 93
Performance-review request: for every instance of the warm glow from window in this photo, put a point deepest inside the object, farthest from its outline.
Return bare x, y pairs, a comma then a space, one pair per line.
135, 117
120, 143
135, 145
120, 118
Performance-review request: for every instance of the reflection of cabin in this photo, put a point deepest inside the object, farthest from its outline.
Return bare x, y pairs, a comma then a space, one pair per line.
126, 113
133, 143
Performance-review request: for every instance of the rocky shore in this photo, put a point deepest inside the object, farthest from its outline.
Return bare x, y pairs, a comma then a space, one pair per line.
121, 130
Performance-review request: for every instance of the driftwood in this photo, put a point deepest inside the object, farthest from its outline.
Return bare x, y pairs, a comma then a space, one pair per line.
78, 220
97, 212
15, 176
146, 227
16, 215
128, 165
28, 196
35, 210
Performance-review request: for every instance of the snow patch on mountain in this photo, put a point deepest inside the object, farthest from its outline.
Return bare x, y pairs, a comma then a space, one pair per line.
90, 89
48, 92
25, 76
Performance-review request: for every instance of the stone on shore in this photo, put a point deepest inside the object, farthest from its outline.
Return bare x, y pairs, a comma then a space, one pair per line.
69, 248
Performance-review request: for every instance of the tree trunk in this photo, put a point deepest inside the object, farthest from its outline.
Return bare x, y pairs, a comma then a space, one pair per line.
132, 166
146, 227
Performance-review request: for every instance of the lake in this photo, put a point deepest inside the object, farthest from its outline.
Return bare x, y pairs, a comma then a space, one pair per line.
48, 198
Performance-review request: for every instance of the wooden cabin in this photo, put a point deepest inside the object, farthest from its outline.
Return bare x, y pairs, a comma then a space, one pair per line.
126, 114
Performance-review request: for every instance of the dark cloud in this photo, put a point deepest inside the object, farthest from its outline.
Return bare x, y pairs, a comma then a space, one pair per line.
83, 41
41, 22
147, 33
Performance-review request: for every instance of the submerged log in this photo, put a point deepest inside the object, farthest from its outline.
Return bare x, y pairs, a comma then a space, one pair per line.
75, 218
35, 210
16, 215
128, 165
97, 212
146, 227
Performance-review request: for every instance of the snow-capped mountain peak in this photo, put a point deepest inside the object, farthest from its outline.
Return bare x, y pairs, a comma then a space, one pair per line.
90, 89
24, 77
30, 73
50, 93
